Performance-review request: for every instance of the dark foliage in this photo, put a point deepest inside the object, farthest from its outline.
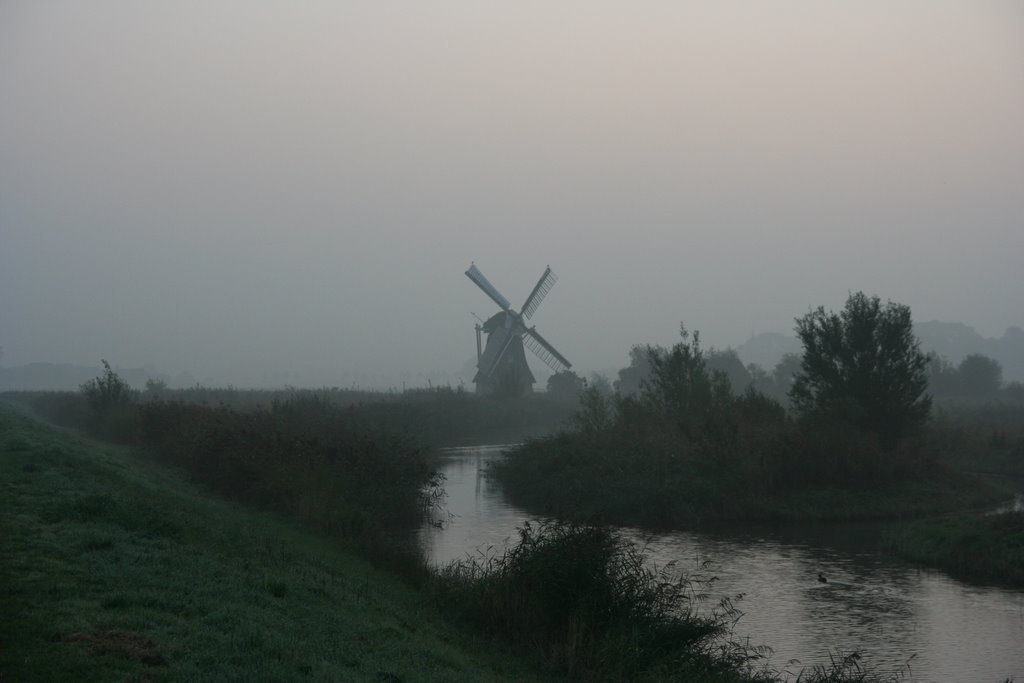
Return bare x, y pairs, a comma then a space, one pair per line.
686, 450
631, 378
681, 387
729, 364
584, 603
107, 391
566, 385
865, 366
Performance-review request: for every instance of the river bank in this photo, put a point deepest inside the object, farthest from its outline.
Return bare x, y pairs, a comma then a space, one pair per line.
987, 547
116, 567
659, 487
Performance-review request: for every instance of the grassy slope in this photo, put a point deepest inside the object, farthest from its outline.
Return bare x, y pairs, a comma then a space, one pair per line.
114, 567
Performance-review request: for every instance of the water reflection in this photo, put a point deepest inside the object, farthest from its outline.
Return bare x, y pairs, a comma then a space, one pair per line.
887, 609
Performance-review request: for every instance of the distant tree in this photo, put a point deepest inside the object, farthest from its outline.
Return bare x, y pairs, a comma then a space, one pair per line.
601, 383
782, 376
785, 372
596, 411
759, 379
979, 375
863, 365
155, 386
681, 385
566, 384
1015, 391
631, 378
943, 377
728, 363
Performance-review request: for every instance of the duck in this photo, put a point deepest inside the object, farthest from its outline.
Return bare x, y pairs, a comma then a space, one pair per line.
821, 578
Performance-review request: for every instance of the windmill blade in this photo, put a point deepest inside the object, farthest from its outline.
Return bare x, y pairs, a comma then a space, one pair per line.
545, 351
544, 285
483, 283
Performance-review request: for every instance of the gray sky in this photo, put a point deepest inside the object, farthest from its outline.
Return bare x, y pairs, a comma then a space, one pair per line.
290, 192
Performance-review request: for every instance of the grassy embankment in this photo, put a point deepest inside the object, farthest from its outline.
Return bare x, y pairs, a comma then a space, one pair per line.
980, 547
113, 567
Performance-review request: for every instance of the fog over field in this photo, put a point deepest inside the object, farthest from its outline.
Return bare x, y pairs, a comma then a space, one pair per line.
271, 193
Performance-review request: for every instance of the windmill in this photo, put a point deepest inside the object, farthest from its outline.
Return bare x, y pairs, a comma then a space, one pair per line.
501, 364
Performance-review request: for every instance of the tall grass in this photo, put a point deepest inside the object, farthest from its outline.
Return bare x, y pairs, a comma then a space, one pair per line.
436, 416
978, 547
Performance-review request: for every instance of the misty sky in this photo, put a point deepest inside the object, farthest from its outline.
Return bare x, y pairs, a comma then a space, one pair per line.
268, 193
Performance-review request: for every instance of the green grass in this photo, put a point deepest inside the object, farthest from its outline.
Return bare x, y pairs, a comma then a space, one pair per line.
981, 547
114, 567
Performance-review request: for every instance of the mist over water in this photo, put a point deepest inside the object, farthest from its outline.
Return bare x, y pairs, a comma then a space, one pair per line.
271, 195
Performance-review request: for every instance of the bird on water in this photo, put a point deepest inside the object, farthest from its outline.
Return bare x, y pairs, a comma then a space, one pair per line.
821, 578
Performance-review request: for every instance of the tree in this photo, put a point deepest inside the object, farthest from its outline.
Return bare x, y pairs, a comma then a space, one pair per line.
632, 378
863, 365
155, 387
566, 384
728, 363
979, 375
943, 378
681, 385
601, 383
785, 372
596, 412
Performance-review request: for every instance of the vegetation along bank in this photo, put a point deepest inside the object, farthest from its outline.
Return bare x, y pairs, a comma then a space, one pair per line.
856, 442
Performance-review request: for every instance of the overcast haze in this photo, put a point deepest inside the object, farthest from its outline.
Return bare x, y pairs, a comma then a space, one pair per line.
266, 193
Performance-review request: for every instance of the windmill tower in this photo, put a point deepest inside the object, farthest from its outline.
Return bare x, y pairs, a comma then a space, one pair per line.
501, 365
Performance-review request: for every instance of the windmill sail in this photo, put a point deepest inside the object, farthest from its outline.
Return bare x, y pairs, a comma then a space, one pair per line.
490, 290
545, 351
544, 285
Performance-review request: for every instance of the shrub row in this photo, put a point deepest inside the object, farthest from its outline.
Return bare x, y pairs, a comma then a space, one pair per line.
302, 455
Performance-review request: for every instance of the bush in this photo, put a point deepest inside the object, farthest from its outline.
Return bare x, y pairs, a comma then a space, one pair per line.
107, 391
581, 600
